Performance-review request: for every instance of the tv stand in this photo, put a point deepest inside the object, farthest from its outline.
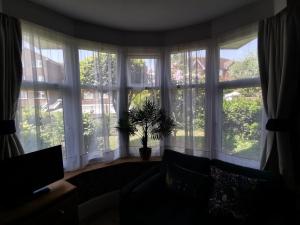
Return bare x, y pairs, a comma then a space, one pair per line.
58, 206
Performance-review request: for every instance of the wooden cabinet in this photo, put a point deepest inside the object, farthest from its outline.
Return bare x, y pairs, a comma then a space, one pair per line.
58, 207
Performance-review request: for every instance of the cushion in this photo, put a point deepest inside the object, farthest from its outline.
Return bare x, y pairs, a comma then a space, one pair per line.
268, 195
188, 185
232, 194
245, 171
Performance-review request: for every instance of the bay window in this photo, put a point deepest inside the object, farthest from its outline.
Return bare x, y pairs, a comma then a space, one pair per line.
73, 93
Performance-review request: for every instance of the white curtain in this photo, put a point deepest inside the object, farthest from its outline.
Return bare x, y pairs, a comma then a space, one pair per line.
186, 86
99, 80
69, 96
40, 111
47, 101
74, 91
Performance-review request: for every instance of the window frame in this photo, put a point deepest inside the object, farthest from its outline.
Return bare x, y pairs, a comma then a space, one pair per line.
220, 87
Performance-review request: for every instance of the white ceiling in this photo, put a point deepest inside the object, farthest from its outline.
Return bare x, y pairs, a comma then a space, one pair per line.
144, 15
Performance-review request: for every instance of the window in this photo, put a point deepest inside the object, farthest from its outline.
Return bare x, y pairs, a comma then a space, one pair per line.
187, 91
240, 100
143, 76
74, 91
40, 114
99, 91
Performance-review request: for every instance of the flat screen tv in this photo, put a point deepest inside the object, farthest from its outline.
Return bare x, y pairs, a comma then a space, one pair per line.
22, 176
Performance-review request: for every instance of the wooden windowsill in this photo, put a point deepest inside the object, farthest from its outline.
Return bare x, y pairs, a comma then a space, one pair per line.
98, 165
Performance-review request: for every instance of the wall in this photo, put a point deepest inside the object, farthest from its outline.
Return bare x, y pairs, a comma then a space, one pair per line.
29, 11
0, 6
279, 5
40, 15
243, 16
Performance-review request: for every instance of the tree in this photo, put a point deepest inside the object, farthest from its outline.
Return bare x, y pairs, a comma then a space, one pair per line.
99, 69
246, 68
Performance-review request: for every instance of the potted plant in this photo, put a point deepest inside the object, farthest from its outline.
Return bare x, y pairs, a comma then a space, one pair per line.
148, 120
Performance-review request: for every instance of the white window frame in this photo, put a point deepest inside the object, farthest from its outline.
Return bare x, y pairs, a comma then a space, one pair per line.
220, 86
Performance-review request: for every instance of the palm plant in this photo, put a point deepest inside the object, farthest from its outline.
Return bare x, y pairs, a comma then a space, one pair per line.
148, 120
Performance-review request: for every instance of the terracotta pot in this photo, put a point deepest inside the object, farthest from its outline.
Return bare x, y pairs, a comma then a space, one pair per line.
145, 153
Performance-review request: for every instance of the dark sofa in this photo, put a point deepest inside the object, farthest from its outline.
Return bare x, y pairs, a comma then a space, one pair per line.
189, 190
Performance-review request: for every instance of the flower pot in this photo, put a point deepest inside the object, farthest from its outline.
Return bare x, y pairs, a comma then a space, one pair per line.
145, 153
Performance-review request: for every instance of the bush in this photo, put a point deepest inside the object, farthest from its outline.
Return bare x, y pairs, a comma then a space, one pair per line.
240, 116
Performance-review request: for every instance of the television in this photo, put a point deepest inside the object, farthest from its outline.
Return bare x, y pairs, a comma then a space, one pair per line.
26, 176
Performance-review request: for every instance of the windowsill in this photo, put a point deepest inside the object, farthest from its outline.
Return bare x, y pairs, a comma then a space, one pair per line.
99, 165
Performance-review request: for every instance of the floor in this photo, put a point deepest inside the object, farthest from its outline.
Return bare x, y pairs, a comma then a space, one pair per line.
107, 217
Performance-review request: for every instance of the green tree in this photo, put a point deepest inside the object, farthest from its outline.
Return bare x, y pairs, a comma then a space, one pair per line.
99, 69
246, 68
241, 113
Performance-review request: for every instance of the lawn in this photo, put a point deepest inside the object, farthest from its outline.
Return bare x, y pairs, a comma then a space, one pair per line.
243, 148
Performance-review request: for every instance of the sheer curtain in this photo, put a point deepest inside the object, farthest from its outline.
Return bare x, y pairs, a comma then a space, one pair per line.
99, 82
74, 92
46, 103
186, 86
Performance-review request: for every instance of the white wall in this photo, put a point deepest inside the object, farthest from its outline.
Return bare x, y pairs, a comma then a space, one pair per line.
279, 5
243, 17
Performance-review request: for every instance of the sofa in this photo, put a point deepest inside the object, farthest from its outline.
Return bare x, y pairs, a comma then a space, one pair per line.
190, 190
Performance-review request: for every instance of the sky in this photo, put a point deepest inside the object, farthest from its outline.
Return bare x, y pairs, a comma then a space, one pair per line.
234, 54
241, 53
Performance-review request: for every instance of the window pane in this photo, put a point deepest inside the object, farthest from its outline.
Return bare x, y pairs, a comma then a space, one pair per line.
136, 99
238, 60
40, 120
188, 102
241, 122
40, 115
189, 113
98, 77
98, 68
99, 121
42, 59
188, 67
143, 72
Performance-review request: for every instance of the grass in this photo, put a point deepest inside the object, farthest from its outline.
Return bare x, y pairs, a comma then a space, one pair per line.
243, 148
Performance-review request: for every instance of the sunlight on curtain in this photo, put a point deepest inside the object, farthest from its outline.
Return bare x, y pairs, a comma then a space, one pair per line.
187, 94
40, 113
99, 101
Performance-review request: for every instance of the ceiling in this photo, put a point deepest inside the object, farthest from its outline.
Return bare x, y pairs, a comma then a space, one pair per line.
144, 15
